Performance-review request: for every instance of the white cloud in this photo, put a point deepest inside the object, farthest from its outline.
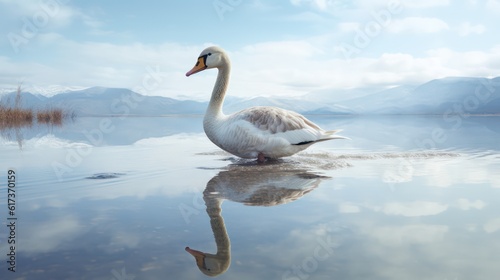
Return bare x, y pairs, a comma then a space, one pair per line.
327, 6
466, 204
414, 209
417, 25
405, 4
277, 68
335, 6
306, 16
492, 225
284, 48
472, 174
348, 207
103, 64
493, 6
348, 26
410, 234
48, 236
467, 28
399, 172
320, 4
42, 13
424, 3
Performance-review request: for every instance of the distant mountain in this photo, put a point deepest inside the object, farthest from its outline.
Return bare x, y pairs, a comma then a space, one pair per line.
339, 95
458, 95
303, 106
473, 95
44, 91
108, 101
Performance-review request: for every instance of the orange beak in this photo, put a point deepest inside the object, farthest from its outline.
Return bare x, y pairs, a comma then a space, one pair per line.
199, 66
195, 253
199, 256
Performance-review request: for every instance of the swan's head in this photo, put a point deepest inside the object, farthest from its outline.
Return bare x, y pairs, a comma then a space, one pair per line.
211, 57
210, 265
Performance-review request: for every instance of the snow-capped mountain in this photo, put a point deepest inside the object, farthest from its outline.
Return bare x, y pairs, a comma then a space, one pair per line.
457, 95
52, 90
47, 91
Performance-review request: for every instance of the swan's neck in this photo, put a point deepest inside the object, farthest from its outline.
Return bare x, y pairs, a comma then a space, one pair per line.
219, 92
218, 227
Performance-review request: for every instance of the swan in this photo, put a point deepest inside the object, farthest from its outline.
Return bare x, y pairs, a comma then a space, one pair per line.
258, 132
252, 187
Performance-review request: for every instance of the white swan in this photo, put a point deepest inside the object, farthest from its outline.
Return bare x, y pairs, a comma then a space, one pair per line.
257, 132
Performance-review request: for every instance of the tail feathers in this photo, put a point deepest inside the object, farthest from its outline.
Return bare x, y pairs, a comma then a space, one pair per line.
329, 135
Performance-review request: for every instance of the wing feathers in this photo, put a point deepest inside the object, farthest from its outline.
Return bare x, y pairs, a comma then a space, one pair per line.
276, 120
288, 125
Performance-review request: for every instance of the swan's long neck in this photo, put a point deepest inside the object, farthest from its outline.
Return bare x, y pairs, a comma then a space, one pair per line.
214, 210
219, 229
217, 100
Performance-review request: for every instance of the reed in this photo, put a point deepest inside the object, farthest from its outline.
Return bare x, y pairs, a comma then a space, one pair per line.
14, 116
50, 116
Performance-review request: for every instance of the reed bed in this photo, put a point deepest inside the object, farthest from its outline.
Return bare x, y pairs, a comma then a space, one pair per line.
14, 116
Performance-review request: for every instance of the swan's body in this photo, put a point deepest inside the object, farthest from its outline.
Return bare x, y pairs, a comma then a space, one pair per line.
257, 132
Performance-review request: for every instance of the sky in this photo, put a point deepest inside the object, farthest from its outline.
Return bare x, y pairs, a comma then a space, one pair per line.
277, 48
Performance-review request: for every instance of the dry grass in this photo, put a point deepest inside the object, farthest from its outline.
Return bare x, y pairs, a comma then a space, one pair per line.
17, 117
50, 116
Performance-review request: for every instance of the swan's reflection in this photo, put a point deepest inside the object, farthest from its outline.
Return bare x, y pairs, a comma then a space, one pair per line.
251, 185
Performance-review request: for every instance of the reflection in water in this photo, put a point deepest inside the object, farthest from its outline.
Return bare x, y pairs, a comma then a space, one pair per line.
16, 133
263, 185
13, 133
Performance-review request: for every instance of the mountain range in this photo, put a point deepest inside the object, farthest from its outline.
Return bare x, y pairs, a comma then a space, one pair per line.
453, 95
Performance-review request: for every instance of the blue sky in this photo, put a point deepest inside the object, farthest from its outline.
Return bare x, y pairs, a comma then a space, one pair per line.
277, 48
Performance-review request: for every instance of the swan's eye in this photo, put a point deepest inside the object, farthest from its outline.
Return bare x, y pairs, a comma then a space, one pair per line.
209, 54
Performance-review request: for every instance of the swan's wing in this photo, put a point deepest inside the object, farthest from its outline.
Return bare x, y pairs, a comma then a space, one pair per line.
286, 124
276, 120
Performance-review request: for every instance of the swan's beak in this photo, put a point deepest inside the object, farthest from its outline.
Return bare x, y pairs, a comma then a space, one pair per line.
200, 66
199, 256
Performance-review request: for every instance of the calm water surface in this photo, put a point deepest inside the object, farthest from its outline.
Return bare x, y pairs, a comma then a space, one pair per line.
110, 198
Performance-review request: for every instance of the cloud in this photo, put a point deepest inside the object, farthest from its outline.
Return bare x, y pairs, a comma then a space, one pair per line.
423, 4
410, 234
467, 28
493, 6
51, 234
277, 68
417, 25
346, 27
413, 209
102, 64
472, 174
492, 225
466, 204
339, 5
307, 16
41, 14
334, 7
349, 207
406, 4
283, 48
319, 4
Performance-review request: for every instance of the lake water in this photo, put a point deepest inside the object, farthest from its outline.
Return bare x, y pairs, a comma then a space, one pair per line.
408, 197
